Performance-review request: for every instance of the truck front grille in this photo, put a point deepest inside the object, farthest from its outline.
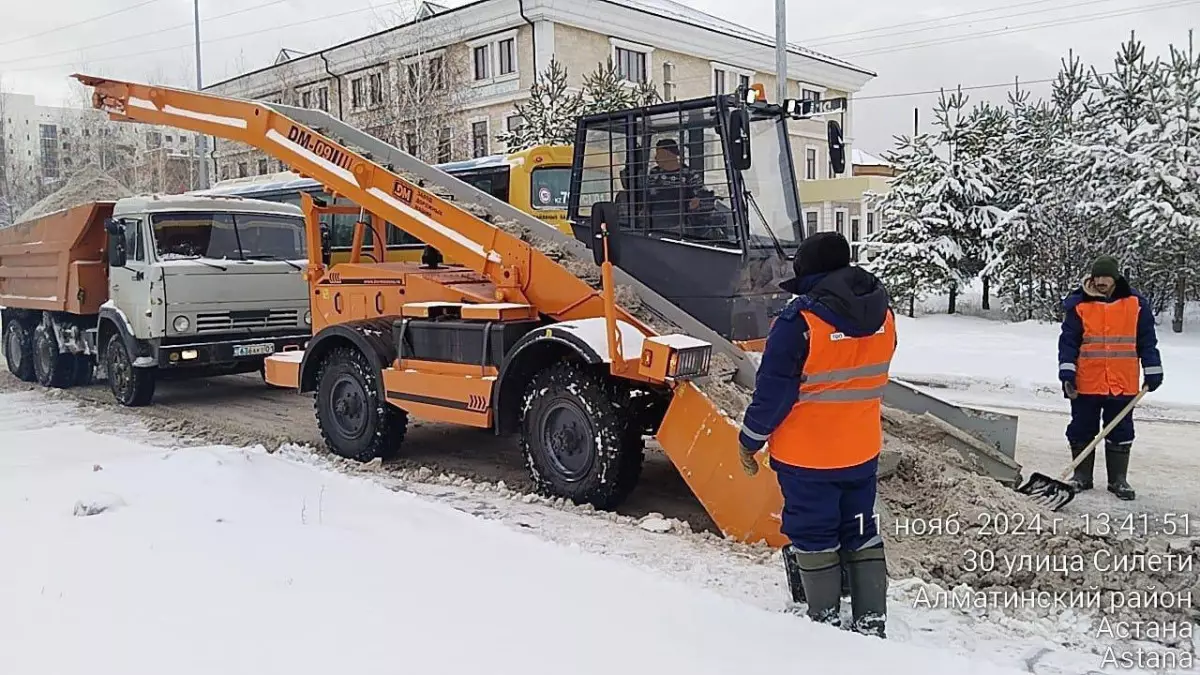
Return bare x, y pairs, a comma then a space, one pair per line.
218, 322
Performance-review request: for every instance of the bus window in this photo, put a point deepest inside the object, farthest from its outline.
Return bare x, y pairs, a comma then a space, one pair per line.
492, 181
549, 187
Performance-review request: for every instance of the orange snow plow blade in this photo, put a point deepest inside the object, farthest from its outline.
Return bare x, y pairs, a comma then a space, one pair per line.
702, 443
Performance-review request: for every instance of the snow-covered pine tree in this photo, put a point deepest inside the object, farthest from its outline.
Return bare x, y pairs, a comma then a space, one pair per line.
908, 256
550, 114
1163, 199
986, 144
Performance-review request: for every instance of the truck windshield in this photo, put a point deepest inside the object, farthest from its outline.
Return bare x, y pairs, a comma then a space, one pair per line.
772, 203
228, 236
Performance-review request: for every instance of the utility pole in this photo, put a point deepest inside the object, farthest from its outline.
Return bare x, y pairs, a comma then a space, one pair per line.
781, 68
202, 145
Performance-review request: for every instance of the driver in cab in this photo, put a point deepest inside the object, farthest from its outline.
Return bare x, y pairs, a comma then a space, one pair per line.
671, 187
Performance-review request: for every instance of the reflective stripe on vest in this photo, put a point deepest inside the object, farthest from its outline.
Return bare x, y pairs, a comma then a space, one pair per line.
1108, 358
835, 422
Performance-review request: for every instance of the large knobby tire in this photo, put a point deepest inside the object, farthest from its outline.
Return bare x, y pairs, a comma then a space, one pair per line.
355, 422
577, 444
18, 350
52, 367
132, 387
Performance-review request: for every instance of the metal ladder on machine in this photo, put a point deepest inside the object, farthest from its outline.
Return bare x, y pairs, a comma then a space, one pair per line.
987, 440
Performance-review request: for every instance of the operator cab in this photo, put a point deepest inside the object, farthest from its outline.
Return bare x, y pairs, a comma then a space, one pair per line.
707, 208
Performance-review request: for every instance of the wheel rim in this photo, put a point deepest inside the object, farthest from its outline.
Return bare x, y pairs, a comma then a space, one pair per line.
119, 371
348, 405
45, 353
12, 348
567, 437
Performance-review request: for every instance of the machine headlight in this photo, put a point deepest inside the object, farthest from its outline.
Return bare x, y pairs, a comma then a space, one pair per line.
308, 317
181, 324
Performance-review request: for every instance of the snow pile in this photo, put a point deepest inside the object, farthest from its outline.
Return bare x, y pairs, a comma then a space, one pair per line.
89, 184
952, 527
261, 555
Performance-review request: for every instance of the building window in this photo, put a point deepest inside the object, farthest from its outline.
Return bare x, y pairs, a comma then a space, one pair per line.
718, 82
48, 135
263, 169
306, 99
810, 94
508, 56
225, 172
812, 222
482, 59
323, 99
810, 164
445, 146
514, 122
243, 171
410, 143
839, 222
668, 77
375, 81
855, 235
437, 73
870, 223
631, 64
357, 100
744, 81
479, 139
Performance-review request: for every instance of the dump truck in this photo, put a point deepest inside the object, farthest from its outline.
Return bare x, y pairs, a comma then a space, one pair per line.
513, 338
152, 287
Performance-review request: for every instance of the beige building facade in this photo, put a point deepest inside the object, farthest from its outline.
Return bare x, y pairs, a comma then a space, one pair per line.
445, 85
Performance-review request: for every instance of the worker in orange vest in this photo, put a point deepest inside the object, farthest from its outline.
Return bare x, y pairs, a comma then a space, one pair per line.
816, 406
1107, 328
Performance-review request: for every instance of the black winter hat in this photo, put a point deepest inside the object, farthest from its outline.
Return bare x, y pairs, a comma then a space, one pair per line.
820, 253
1106, 266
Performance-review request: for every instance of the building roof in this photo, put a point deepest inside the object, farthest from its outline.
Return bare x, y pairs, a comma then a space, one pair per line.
861, 158
668, 9
681, 12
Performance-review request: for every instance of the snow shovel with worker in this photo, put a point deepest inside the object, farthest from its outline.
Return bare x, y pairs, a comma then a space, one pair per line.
1107, 329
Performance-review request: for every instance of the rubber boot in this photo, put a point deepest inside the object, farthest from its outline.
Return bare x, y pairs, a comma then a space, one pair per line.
868, 590
821, 577
1116, 461
1082, 480
791, 566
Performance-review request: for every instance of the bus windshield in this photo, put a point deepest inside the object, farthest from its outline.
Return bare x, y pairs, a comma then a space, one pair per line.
550, 187
228, 236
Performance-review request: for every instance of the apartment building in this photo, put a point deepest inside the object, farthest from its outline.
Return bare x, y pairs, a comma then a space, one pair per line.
839, 204
444, 85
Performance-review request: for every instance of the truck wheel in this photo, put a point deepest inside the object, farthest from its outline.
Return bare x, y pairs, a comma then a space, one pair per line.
18, 351
52, 367
355, 422
85, 370
132, 387
576, 443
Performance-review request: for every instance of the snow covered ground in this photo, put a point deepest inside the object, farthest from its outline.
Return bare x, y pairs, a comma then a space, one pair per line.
138, 556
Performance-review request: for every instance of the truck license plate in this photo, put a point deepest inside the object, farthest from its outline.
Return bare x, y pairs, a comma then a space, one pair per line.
254, 350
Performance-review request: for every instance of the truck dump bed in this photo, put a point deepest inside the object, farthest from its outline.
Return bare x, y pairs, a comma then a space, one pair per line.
56, 262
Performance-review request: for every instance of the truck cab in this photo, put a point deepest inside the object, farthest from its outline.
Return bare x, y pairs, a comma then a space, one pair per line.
199, 286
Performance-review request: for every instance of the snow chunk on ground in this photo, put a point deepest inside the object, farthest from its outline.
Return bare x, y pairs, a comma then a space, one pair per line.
295, 569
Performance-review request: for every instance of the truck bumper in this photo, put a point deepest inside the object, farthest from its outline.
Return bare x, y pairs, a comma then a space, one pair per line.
244, 350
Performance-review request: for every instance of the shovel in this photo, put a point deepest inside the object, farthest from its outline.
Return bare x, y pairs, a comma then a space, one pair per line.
1057, 493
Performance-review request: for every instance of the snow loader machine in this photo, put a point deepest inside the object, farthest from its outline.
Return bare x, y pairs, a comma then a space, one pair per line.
512, 338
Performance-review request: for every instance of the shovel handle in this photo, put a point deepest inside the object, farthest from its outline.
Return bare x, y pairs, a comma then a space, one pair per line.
1091, 446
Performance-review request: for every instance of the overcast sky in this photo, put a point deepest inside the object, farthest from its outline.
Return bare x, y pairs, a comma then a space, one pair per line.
913, 45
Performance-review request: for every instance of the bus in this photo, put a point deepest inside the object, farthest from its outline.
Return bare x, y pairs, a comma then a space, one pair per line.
535, 181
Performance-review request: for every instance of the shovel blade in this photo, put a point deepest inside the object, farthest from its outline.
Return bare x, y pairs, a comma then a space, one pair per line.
1048, 492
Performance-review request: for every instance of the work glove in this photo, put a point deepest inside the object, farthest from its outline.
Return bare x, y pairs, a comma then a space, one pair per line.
1069, 390
1153, 382
749, 463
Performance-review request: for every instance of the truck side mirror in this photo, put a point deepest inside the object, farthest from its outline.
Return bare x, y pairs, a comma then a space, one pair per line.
606, 214
326, 245
739, 138
117, 255
837, 150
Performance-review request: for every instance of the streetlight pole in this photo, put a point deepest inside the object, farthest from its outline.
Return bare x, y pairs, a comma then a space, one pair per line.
781, 67
202, 144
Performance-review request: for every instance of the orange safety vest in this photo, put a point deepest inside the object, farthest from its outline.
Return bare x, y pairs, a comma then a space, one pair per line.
836, 421
1108, 361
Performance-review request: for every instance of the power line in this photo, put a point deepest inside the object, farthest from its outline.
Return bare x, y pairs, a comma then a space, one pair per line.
127, 38
1017, 82
807, 41
1019, 29
79, 23
1056, 8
